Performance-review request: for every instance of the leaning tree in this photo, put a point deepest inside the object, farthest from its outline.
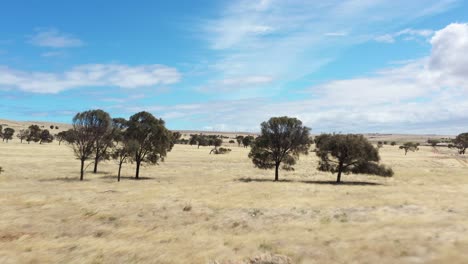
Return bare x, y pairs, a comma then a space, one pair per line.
282, 140
348, 154
151, 139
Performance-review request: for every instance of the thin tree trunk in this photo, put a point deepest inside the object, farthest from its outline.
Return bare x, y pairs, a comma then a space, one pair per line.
82, 170
340, 169
276, 171
118, 175
96, 160
137, 174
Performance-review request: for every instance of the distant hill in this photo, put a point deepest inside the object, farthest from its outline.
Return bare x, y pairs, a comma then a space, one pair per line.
18, 125
373, 137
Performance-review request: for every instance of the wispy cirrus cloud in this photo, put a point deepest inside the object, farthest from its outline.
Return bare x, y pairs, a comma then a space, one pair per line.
53, 38
90, 75
427, 95
407, 33
292, 39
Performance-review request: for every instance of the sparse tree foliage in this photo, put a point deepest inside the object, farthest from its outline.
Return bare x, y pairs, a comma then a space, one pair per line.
103, 136
410, 146
123, 148
461, 143
282, 140
22, 135
348, 154
8, 134
433, 142
393, 143
151, 138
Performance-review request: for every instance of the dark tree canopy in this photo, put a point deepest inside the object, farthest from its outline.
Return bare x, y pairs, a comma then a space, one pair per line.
282, 140
34, 134
150, 137
433, 142
239, 140
461, 143
348, 154
247, 141
45, 137
410, 146
8, 134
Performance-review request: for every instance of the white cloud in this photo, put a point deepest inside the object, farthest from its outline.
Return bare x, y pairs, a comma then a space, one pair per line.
428, 95
237, 83
117, 75
53, 38
336, 34
450, 53
288, 40
53, 54
407, 33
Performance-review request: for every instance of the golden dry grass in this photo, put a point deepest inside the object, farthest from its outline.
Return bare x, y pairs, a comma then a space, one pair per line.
232, 210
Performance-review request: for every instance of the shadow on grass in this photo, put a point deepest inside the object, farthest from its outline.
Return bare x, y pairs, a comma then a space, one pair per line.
357, 183
66, 179
114, 177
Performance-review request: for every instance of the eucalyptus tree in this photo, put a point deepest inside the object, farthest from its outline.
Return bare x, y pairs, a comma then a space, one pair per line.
34, 134
102, 136
151, 139
45, 137
239, 140
461, 143
247, 141
8, 134
123, 147
282, 140
410, 146
348, 154
22, 134
87, 127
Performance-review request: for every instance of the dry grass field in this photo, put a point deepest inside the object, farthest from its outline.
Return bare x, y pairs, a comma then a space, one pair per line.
201, 208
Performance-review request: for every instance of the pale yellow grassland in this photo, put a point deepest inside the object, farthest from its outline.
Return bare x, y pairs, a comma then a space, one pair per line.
47, 216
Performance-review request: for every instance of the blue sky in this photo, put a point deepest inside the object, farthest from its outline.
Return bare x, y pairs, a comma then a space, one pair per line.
340, 66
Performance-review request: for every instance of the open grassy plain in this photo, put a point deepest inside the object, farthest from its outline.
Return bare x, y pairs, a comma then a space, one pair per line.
201, 208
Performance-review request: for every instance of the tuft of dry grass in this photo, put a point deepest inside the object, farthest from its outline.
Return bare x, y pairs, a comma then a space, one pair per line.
236, 211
